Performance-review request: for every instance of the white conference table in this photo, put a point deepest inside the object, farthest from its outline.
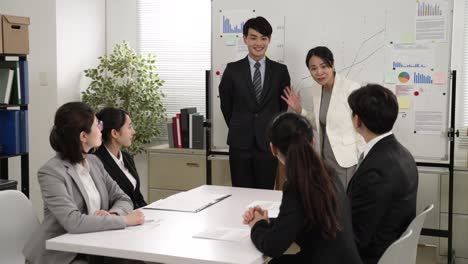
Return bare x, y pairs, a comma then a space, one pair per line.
168, 239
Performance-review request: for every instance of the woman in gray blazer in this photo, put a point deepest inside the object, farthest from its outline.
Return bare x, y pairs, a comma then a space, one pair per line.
79, 195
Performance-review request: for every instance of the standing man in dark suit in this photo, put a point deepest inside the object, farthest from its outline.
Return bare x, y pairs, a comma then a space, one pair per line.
250, 93
383, 190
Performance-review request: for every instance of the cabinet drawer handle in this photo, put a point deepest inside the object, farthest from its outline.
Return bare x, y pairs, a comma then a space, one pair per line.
192, 164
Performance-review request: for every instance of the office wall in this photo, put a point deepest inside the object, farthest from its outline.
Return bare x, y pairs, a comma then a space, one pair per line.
80, 41
121, 22
43, 98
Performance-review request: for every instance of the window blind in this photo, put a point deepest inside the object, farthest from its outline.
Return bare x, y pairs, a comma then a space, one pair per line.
178, 32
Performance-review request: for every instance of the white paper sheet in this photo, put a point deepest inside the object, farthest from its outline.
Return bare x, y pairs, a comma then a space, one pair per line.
224, 233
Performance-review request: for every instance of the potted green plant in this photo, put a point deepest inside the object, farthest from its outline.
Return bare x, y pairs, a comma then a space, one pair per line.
127, 80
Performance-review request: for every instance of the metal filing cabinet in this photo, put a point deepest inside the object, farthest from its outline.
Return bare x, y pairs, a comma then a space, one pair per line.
172, 170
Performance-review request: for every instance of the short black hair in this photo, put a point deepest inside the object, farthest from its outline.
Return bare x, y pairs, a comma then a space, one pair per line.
322, 52
259, 24
376, 106
112, 118
70, 120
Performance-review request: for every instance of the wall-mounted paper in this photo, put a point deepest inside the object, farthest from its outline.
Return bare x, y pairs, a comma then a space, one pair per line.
404, 102
391, 77
407, 37
439, 77
230, 40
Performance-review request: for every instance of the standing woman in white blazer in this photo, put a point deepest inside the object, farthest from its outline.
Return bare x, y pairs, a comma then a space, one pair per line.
330, 115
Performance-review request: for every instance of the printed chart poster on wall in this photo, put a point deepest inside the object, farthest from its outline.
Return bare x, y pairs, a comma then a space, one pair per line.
403, 45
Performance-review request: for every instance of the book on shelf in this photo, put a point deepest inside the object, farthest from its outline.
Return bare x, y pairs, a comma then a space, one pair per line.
6, 82
184, 122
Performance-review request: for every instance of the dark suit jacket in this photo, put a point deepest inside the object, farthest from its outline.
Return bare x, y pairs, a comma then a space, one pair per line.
119, 176
383, 197
274, 238
246, 118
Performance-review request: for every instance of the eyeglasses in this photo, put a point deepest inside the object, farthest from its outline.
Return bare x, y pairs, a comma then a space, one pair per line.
100, 125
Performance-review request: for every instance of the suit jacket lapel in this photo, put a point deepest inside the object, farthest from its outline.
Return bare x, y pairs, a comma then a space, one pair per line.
130, 166
74, 175
115, 171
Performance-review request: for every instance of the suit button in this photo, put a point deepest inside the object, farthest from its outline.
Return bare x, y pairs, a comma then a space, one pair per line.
256, 115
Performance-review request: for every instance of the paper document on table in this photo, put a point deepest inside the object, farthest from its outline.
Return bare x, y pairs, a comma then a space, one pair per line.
224, 233
271, 206
149, 225
187, 201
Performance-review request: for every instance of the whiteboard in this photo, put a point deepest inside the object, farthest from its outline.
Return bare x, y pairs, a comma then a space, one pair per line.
403, 45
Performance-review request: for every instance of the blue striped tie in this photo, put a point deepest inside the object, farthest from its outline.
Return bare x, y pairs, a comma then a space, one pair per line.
257, 81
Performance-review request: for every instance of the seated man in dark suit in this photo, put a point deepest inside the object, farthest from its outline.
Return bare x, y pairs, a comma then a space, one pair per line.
383, 189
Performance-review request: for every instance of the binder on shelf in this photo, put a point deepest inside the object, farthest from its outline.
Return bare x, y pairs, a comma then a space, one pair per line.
178, 131
24, 139
174, 131
10, 132
24, 81
184, 121
6, 82
15, 94
170, 135
197, 137
191, 130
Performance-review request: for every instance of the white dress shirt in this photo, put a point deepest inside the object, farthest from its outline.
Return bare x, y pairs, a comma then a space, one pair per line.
119, 161
89, 186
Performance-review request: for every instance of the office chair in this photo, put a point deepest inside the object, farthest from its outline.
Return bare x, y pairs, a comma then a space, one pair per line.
416, 225
17, 223
407, 253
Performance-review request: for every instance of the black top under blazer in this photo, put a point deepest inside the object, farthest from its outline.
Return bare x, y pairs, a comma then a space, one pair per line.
274, 238
383, 193
119, 176
246, 118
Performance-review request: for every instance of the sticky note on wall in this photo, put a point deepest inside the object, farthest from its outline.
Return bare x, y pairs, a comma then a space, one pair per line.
407, 37
404, 102
390, 77
230, 40
439, 78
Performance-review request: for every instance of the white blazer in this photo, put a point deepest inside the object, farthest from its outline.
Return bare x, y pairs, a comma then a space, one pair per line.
346, 143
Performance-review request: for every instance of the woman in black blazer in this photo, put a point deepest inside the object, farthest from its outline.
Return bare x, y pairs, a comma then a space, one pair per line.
314, 210
117, 133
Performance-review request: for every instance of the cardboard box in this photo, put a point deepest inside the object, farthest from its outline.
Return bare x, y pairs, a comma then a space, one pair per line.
15, 37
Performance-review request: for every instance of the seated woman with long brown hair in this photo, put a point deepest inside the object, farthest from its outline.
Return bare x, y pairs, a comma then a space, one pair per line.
314, 210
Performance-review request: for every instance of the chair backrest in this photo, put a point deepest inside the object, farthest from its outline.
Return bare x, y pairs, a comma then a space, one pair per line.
398, 251
405, 249
416, 225
17, 223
